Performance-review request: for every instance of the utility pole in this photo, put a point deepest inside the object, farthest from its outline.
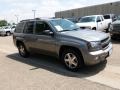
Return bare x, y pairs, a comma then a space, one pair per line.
17, 18
34, 11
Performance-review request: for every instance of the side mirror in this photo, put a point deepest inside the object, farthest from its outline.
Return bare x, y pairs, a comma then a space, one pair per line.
114, 19
98, 20
48, 32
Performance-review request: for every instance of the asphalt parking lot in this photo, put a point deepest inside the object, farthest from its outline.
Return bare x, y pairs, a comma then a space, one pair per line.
40, 72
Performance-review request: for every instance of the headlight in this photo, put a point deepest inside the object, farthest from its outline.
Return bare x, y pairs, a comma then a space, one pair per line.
94, 46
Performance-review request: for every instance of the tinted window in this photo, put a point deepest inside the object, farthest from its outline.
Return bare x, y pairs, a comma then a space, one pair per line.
98, 18
41, 26
29, 28
87, 19
106, 16
102, 18
19, 27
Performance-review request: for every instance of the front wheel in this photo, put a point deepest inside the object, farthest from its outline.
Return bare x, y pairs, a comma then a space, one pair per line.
72, 59
22, 50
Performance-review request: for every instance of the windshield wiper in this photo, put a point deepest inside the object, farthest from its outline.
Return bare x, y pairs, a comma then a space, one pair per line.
69, 30
65, 30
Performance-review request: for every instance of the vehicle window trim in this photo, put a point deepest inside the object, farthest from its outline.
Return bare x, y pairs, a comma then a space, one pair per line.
43, 30
24, 31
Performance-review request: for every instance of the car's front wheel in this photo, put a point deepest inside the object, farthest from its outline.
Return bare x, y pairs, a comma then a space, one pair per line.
22, 50
72, 59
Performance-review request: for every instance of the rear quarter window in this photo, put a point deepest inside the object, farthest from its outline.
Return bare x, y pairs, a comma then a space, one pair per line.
19, 27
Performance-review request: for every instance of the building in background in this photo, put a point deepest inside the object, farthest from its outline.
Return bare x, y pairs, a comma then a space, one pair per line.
108, 8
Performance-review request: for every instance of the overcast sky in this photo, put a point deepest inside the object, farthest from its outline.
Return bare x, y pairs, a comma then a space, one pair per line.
44, 8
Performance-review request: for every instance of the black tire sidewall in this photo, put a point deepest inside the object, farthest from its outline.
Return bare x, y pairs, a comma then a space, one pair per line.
26, 54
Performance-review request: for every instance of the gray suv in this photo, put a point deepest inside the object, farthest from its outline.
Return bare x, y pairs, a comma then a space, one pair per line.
115, 28
63, 39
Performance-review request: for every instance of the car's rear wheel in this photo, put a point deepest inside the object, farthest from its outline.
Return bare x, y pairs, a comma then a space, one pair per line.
94, 28
22, 50
72, 59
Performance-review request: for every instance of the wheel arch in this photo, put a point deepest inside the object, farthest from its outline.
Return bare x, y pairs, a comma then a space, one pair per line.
64, 47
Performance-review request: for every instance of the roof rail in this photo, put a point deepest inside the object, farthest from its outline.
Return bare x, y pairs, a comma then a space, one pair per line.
30, 19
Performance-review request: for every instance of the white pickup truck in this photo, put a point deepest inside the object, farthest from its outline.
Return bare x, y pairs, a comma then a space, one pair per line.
94, 22
7, 30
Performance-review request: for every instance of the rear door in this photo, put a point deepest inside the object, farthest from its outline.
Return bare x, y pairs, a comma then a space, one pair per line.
28, 35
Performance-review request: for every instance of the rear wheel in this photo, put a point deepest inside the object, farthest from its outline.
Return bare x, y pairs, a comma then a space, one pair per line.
72, 59
94, 28
22, 50
8, 33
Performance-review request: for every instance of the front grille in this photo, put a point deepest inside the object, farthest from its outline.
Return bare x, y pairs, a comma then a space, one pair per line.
105, 42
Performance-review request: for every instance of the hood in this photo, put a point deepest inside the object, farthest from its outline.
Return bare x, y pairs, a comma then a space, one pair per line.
87, 35
116, 22
85, 24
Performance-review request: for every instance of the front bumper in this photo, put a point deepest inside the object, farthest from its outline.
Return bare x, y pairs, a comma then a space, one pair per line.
98, 56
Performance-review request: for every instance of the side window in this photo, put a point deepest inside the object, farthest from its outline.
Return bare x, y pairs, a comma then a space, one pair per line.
19, 27
29, 28
102, 18
98, 19
40, 27
107, 16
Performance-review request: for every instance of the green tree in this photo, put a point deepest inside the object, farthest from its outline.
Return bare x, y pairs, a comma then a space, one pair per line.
3, 23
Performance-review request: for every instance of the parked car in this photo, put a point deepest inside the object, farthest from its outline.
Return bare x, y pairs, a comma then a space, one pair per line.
94, 22
7, 30
109, 18
74, 20
63, 39
115, 28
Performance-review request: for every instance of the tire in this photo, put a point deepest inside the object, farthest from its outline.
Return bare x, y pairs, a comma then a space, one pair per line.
8, 33
68, 56
22, 50
94, 28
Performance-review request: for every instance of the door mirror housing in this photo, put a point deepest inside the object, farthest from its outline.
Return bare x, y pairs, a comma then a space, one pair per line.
48, 32
98, 20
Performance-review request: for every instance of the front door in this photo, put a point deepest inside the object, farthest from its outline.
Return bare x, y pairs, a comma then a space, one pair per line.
99, 24
44, 43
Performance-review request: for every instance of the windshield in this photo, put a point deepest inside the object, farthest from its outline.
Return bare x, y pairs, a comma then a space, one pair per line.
87, 19
118, 18
63, 25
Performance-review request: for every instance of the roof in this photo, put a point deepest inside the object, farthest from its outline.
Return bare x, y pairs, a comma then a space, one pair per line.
39, 19
92, 15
